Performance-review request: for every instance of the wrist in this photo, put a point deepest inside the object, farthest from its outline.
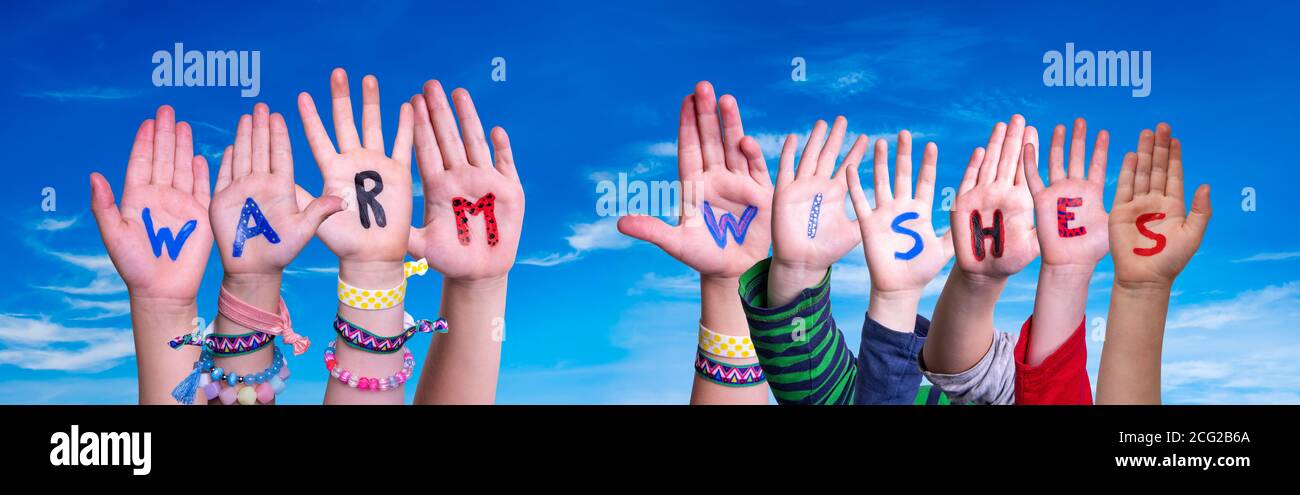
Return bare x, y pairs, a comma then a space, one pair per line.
164, 306
371, 274
488, 284
1066, 274
1144, 287
979, 280
784, 276
261, 290
895, 310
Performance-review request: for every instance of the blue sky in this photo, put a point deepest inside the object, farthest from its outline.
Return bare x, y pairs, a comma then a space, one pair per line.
592, 91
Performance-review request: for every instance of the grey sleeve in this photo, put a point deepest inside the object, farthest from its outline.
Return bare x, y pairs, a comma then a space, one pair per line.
991, 381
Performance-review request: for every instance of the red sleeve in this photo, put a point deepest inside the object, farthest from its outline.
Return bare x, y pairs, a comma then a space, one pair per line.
1061, 379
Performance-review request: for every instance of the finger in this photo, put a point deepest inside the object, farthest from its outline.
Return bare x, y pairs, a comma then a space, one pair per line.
861, 208
317, 139
1031, 137
444, 126
139, 168
1124, 189
732, 133
372, 126
689, 159
989, 167
505, 158
903, 166
164, 146
243, 164
1160, 159
1056, 155
1174, 186
224, 173
261, 150
925, 180
183, 176
1142, 177
1031, 170
405, 130
756, 162
1009, 159
972, 171
104, 206
948, 248
428, 157
345, 127
281, 162
1078, 140
318, 210
1199, 218
304, 199
415, 242
706, 120
202, 187
785, 170
854, 158
830, 152
880, 158
649, 229
812, 151
1100, 150
471, 129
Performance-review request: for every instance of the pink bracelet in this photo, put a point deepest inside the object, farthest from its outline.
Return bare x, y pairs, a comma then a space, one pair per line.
364, 383
255, 318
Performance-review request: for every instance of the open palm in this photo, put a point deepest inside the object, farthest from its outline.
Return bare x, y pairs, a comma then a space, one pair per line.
1151, 189
995, 182
259, 166
721, 169
345, 234
164, 177
457, 165
1070, 210
810, 226
897, 261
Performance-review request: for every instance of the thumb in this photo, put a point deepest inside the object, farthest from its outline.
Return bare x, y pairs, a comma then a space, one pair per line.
1199, 218
321, 208
948, 248
103, 205
649, 229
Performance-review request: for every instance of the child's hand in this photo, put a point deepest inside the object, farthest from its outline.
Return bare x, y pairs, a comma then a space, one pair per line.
474, 241
1152, 236
994, 186
259, 225
1072, 205
810, 229
725, 174
376, 189
160, 254
903, 253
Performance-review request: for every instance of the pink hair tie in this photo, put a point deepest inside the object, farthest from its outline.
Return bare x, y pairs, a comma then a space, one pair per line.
257, 319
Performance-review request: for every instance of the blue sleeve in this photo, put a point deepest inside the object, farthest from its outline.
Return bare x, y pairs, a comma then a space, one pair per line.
887, 368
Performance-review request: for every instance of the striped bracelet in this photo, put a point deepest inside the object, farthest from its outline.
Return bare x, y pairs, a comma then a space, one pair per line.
362, 339
727, 375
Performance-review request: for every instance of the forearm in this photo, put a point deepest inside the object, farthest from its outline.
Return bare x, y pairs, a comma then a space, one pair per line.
721, 312
261, 291
1130, 358
962, 328
382, 322
894, 310
462, 366
1059, 306
159, 367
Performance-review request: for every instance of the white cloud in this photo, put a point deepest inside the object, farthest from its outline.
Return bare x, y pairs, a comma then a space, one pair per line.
771, 143
552, 259
1269, 257
103, 309
106, 280
40, 344
54, 225
1272, 303
686, 285
90, 93
601, 234
663, 149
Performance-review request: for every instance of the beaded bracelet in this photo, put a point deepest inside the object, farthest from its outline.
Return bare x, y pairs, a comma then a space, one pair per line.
727, 375
730, 346
383, 298
229, 387
364, 383
223, 345
360, 338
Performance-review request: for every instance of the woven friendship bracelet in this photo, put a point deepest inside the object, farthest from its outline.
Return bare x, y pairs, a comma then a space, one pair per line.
226, 345
385, 298
365, 383
731, 346
360, 338
731, 376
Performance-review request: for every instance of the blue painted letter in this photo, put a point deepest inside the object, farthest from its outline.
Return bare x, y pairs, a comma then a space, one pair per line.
260, 227
164, 236
917, 243
718, 228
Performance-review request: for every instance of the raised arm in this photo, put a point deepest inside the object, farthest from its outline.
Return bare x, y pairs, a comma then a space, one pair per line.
473, 216
159, 241
724, 228
1152, 237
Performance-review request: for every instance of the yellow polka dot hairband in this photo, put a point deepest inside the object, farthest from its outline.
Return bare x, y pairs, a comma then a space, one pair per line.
381, 299
730, 346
